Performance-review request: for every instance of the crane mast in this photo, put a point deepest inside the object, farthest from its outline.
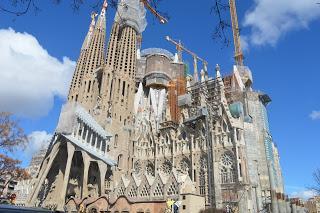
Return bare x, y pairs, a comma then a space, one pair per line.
180, 48
238, 55
162, 19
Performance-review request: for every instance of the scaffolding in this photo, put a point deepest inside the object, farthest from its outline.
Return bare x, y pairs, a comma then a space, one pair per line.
176, 88
204, 107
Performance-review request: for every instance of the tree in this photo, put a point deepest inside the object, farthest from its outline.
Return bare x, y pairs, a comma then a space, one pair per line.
11, 134
316, 177
22, 7
219, 9
11, 137
10, 170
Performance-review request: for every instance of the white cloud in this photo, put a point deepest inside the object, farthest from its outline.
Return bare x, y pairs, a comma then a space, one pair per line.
304, 194
37, 140
30, 78
244, 43
269, 20
315, 115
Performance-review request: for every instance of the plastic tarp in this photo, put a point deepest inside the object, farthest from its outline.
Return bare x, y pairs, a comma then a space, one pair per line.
132, 13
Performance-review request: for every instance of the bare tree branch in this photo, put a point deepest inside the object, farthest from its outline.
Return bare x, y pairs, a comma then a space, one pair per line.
15, 3
219, 8
316, 178
11, 134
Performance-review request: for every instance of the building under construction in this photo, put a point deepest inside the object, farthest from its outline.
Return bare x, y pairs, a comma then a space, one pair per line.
137, 130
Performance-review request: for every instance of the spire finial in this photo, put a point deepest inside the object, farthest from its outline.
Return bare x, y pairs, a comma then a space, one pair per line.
202, 73
102, 17
93, 18
218, 75
91, 29
105, 4
93, 15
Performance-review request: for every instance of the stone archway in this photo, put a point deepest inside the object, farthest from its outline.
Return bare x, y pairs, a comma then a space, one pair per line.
76, 176
49, 189
94, 184
108, 180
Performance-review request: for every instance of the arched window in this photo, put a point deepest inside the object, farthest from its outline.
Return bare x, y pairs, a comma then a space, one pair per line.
185, 165
202, 182
115, 140
150, 168
227, 168
120, 161
137, 167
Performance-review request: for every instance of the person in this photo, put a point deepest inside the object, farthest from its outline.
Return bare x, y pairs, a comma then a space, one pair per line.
176, 206
170, 202
12, 199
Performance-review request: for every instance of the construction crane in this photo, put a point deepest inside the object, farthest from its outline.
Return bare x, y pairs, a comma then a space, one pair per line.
238, 55
180, 48
147, 4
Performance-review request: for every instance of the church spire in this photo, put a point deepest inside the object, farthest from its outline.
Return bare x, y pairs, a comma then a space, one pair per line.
101, 23
97, 43
86, 42
89, 89
78, 73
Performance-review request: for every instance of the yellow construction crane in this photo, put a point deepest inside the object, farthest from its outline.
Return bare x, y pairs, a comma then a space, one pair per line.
180, 48
238, 55
162, 19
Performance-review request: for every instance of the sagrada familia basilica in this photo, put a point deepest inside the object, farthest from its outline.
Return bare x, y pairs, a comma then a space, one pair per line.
137, 130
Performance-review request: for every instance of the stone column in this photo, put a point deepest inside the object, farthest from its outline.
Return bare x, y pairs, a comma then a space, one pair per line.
91, 136
86, 137
82, 132
294, 208
86, 164
283, 207
103, 169
100, 148
274, 201
43, 176
77, 133
238, 161
288, 207
96, 142
70, 149
191, 157
216, 183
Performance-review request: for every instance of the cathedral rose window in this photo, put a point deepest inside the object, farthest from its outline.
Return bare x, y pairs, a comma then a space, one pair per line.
226, 160
137, 167
166, 167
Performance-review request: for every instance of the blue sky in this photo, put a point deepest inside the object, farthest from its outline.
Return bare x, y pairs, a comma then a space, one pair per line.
281, 40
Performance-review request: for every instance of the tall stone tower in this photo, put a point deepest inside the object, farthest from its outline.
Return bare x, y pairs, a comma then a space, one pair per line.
85, 86
118, 81
78, 73
77, 163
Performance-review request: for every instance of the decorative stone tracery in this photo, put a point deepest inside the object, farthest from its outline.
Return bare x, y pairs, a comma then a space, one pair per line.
227, 168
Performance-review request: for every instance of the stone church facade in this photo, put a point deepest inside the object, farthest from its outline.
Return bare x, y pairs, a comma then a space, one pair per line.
137, 125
